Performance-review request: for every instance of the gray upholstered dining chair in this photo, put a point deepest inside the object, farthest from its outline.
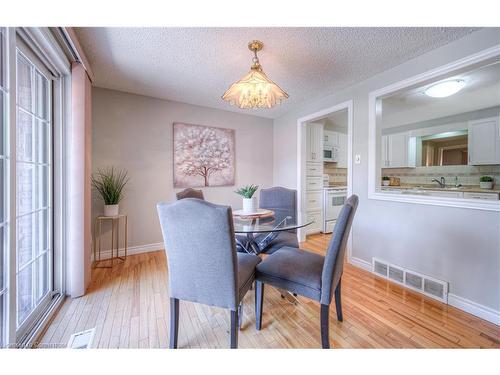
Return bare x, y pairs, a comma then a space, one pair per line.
190, 193
308, 274
203, 265
283, 202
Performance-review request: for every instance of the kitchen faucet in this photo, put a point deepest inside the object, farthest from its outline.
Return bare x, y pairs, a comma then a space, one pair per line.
441, 182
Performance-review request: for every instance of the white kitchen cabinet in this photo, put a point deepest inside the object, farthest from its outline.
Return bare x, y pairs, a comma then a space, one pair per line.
483, 196
314, 169
398, 151
484, 141
314, 144
338, 140
316, 226
314, 200
446, 194
314, 176
314, 183
435, 193
331, 138
342, 160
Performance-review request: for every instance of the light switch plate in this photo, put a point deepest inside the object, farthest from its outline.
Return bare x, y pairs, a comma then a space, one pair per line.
357, 159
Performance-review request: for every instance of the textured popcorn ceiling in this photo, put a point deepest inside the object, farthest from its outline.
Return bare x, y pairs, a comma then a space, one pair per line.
196, 65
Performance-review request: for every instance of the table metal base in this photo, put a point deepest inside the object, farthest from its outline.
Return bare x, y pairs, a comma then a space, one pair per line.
115, 240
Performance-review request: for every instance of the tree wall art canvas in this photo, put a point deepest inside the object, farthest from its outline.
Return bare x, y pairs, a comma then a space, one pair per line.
203, 156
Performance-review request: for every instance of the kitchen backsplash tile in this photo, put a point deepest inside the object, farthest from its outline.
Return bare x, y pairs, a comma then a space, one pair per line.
337, 175
467, 174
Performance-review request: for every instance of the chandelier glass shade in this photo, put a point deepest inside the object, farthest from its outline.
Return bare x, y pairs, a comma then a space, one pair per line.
255, 89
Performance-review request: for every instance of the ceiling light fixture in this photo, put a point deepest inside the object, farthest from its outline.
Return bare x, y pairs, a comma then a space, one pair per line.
444, 89
255, 89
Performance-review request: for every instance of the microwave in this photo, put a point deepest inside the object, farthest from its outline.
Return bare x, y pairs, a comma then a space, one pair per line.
330, 153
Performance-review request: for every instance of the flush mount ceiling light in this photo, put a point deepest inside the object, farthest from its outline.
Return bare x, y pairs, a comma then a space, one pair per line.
444, 89
255, 89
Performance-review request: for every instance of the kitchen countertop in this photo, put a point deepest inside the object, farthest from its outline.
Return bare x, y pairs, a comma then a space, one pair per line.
467, 188
335, 185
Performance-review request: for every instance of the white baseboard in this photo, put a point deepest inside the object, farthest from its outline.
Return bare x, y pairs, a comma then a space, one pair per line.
132, 250
474, 308
360, 263
461, 303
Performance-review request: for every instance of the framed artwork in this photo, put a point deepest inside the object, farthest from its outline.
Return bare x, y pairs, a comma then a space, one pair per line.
203, 156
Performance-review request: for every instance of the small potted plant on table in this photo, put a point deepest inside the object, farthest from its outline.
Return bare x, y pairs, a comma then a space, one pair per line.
110, 183
249, 201
386, 180
486, 182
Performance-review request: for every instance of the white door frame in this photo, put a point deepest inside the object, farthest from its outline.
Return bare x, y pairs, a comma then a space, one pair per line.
301, 159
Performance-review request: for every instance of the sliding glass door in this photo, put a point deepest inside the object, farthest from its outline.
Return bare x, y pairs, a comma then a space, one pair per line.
34, 87
33, 187
3, 181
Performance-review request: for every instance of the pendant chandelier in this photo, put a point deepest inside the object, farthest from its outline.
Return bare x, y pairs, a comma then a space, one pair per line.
255, 89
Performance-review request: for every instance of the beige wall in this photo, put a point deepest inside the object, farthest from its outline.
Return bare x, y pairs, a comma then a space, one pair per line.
135, 132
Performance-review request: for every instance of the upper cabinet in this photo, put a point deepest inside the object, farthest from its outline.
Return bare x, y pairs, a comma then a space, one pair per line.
342, 150
484, 141
398, 151
331, 138
314, 144
337, 141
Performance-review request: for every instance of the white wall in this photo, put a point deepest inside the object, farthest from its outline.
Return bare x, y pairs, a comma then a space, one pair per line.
135, 132
461, 246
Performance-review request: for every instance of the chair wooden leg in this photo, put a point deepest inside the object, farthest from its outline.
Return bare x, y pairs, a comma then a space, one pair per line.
259, 301
338, 302
234, 329
174, 322
325, 341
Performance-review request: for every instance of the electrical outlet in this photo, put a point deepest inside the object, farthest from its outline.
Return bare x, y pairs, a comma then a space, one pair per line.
357, 159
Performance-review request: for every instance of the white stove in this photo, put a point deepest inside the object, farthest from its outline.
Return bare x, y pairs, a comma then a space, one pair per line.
334, 198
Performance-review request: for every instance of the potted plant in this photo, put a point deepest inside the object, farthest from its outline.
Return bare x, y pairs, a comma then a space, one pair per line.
109, 183
249, 201
486, 182
386, 180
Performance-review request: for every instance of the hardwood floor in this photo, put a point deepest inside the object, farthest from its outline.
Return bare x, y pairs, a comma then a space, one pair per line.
129, 307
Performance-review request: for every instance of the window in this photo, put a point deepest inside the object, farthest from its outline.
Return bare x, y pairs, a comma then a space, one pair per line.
33, 187
3, 181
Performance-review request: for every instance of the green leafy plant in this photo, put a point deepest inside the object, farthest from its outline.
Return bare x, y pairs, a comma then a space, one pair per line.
109, 183
247, 191
385, 178
486, 179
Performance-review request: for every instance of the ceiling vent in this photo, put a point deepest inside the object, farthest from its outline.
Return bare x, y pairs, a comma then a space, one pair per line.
424, 284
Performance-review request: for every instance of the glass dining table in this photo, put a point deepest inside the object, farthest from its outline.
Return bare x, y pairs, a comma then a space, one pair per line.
254, 232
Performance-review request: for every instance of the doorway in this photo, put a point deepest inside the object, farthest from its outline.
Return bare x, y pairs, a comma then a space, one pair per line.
335, 164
